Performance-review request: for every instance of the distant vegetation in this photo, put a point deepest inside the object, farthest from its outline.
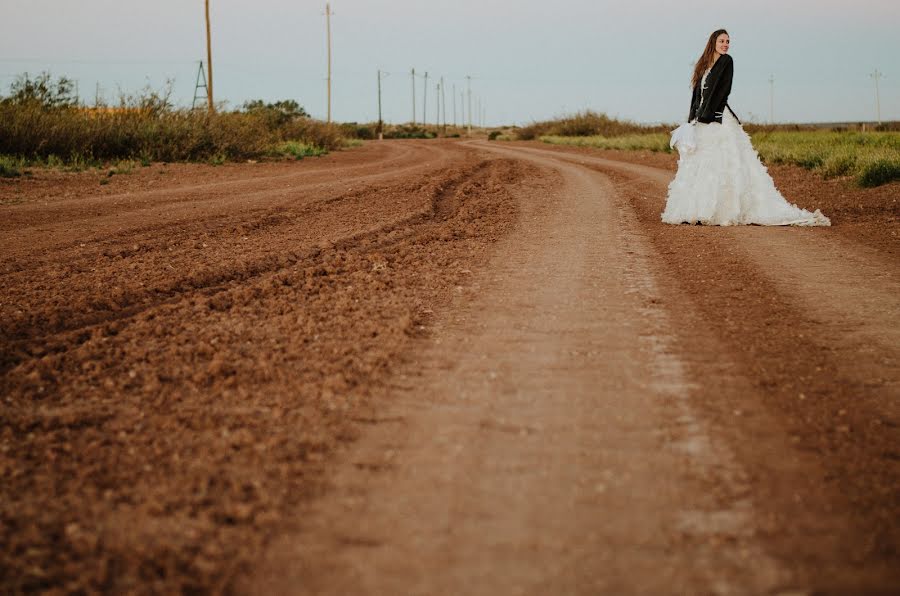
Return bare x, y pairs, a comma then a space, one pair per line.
585, 124
872, 158
41, 121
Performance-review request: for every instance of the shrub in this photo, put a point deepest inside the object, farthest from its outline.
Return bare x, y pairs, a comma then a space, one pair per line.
10, 167
297, 150
879, 171
408, 131
492, 136
584, 124
841, 163
41, 121
352, 130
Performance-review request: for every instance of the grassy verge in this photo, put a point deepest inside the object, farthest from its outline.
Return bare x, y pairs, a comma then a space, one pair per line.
296, 150
632, 142
871, 158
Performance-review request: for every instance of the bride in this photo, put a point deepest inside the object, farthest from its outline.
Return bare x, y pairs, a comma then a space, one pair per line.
720, 180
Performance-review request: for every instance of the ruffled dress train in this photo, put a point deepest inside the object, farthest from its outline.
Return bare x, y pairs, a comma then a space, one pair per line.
722, 182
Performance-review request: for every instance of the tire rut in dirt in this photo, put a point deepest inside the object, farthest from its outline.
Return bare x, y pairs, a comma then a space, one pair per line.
116, 278
160, 451
827, 474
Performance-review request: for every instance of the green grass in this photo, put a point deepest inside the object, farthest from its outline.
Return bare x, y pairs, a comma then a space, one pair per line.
631, 142
10, 167
871, 158
297, 150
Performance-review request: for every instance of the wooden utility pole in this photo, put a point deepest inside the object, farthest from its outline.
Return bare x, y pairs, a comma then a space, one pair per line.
412, 75
453, 97
877, 75
425, 102
462, 108
469, 91
328, 34
444, 104
209, 84
771, 99
380, 121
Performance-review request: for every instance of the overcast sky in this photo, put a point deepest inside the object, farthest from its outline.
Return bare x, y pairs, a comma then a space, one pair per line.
529, 59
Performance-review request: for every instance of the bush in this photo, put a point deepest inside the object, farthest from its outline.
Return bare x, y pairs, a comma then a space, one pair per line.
841, 163
40, 121
584, 124
492, 136
408, 131
878, 172
352, 130
10, 167
297, 150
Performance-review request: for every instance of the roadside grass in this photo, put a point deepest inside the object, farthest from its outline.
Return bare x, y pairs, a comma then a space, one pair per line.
870, 158
10, 167
296, 150
633, 142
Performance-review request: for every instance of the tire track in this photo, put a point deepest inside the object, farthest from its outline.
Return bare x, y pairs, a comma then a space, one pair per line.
173, 446
72, 322
543, 443
792, 345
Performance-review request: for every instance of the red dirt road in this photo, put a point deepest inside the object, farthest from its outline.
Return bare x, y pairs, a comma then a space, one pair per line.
443, 367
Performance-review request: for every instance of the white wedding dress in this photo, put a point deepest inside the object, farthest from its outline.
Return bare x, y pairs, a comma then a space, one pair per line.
721, 181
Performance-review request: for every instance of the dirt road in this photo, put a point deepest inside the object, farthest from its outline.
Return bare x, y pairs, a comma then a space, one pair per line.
456, 367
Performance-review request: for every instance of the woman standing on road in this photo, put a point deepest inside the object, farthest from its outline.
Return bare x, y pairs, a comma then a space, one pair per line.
720, 180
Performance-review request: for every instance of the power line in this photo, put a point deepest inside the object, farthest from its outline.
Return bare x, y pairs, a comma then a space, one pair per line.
772, 99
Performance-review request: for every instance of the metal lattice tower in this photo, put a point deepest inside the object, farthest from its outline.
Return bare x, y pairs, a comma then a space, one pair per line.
200, 84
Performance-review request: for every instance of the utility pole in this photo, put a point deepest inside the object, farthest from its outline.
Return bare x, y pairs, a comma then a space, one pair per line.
209, 84
771, 99
877, 75
380, 129
462, 108
437, 101
412, 74
444, 104
453, 97
328, 35
425, 101
469, 90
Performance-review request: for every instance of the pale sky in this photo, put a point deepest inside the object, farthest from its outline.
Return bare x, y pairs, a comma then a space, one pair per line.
529, 59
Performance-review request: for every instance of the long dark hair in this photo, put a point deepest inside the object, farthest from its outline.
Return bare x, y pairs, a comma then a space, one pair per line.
707, 57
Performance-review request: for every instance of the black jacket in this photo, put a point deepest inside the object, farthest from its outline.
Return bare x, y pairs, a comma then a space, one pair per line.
715, 96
